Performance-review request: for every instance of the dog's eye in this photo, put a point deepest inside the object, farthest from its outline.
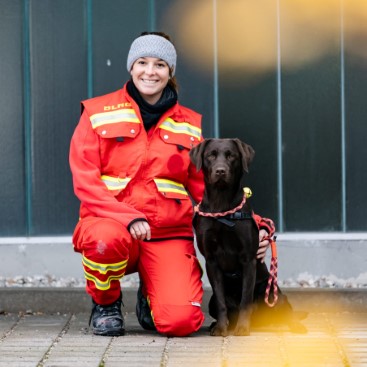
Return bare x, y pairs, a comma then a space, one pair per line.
212, 155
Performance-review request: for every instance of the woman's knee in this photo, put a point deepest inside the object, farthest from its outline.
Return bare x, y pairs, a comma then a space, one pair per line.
177, 320
104, 237
104, 229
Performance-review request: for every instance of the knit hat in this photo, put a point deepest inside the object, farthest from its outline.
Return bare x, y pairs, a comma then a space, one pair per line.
152, 45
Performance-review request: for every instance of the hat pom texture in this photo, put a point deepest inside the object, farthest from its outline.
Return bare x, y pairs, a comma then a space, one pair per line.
152, 46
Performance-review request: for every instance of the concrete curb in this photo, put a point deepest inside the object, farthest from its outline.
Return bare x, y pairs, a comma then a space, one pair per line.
315, 255
75, 300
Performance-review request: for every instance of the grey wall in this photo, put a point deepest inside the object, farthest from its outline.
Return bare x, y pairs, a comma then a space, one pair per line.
306, 123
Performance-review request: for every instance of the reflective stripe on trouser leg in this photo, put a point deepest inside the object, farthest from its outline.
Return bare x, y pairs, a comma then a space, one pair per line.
103, 274
104, 244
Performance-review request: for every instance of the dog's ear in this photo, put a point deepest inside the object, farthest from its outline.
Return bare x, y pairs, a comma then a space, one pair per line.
247, 153
196, 154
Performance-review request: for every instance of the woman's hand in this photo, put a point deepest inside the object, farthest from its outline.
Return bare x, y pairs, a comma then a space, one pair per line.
263, 245
140, 230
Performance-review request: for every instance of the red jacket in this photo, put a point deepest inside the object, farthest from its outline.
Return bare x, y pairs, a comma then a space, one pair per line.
122, 172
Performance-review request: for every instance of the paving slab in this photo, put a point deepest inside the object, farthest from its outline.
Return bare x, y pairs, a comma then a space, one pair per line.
40, 340
336, 336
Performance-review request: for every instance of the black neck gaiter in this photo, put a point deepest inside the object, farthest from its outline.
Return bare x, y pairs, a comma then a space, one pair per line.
152, 113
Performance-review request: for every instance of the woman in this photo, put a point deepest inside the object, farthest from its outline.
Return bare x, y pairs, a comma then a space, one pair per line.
132, 173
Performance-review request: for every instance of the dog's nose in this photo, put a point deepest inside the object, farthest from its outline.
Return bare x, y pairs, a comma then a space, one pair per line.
220, 171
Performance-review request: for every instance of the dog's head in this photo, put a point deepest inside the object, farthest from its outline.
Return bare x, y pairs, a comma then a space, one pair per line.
222, 160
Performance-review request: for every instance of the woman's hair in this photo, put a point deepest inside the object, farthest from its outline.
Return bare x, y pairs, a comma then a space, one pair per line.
172, 82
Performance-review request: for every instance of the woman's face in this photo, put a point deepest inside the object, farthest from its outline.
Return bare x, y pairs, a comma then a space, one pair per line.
150, 76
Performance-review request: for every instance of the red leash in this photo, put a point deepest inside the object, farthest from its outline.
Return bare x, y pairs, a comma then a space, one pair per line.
273, 277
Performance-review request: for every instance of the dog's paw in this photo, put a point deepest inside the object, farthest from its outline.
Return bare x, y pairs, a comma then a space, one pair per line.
241, 331
212, 325
216, 330
300, 315
297, 328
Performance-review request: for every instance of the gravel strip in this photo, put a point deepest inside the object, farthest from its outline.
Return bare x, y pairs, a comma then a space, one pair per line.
304, 280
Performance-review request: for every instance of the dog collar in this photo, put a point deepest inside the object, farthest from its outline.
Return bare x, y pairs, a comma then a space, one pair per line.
247, 193
220, 214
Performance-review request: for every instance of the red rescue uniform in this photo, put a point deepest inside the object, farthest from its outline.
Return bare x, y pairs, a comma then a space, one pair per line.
122, 174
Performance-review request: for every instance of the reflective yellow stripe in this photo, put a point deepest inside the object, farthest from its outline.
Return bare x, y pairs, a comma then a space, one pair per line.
104, 268
102, 285
112, 117
181, 128
151, 312
164, 185
115, 183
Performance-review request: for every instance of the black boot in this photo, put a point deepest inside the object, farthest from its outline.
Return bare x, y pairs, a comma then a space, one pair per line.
143, 311
107, 320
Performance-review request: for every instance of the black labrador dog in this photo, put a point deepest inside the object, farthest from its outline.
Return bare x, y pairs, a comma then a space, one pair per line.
228, 238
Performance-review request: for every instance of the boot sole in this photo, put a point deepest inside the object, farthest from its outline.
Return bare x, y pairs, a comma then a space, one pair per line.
113, 332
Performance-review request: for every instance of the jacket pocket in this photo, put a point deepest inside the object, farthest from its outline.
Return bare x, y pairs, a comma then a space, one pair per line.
174, 207
182, 134
115, 184
195, 273
171, 189
119, 123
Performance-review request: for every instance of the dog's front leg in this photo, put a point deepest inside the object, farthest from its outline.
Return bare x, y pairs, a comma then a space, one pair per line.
216, 280
246, 304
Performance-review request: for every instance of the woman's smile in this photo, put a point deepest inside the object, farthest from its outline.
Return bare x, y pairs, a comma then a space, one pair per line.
150, 76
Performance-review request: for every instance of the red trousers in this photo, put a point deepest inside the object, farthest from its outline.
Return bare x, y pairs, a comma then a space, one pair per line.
169, 269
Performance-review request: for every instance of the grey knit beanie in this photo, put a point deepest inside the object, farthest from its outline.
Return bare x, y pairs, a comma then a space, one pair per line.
152, 45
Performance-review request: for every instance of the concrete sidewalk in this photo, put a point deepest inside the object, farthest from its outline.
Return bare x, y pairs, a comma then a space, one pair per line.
337, 335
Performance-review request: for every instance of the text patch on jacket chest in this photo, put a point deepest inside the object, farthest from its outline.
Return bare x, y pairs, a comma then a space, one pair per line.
116, 106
